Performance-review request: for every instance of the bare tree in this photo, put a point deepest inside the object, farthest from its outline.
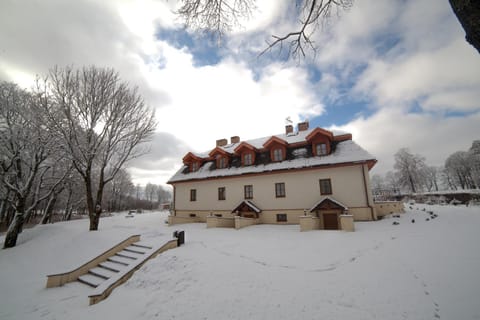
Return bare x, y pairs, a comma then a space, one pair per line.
102, 123
461, 167
25, 147
409, 169
118, 191
431, 177
151, 191
219, 17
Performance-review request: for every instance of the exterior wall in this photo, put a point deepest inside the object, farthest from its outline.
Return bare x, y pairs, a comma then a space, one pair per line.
217, 222
386, 207
301, 187
241, 222
308, 223
346, 223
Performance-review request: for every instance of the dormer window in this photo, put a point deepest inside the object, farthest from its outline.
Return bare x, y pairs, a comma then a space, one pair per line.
221, 162
277, 154
321, 149
247, 159
195, 166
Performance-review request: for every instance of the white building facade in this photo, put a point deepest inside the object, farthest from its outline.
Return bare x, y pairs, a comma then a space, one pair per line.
279, 179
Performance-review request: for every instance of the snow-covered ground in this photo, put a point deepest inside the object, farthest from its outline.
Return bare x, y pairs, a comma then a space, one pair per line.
422, 270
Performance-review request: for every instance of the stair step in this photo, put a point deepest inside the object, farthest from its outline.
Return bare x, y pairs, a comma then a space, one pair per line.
134, 250
91, 280
102, 272
117, 259
140, 245
123, 255
112, 266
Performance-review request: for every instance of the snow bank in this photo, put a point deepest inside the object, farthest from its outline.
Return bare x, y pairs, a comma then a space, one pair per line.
420, 270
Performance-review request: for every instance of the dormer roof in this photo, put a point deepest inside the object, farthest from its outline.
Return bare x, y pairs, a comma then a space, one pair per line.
244, 145
218, 150
273, 140
319, 132
189, 157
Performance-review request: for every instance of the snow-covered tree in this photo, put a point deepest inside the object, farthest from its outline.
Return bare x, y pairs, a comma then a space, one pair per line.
101, 122
409, 169
28, 154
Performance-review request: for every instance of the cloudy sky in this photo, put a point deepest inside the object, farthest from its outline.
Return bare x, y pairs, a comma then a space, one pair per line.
394, 73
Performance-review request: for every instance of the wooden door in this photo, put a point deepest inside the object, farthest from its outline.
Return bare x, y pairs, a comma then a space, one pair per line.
330, 221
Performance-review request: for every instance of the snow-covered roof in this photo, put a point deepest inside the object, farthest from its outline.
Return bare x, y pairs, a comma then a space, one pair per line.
329, 199
345, 152
290, 138
249, 204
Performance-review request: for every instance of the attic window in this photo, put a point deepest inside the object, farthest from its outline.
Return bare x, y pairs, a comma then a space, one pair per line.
277, 155
195, 166
321, 149
221, 162
247, 159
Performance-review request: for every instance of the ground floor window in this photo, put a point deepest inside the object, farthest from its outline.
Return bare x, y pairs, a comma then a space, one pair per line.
282, 217
193, 195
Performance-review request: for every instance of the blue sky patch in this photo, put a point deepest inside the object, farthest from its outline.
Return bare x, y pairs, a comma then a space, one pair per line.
203, 47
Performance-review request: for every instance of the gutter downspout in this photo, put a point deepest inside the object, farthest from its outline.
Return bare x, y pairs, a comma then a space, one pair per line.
366, 192
174, 200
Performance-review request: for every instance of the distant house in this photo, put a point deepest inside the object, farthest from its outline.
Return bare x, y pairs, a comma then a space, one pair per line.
313, 177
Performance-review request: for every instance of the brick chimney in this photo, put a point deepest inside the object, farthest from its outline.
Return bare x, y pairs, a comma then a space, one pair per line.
303, 126
288, 129
234, 139
222, 142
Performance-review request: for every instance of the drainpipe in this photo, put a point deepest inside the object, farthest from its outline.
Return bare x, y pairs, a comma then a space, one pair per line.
174, 199
366, 192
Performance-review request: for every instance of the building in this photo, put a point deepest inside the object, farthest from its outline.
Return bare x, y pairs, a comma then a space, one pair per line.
316, 178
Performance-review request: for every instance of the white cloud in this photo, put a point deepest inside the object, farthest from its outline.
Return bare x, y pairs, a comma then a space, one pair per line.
429, 135
399, 53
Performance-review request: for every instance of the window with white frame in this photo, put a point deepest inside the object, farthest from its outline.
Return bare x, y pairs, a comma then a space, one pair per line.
247, 159
321, 149
277, 154
280, 190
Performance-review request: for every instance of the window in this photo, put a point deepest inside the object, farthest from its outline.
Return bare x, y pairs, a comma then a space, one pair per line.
280, 190
195, 166
248, 191
221, 193
193, 195
321, 149
282, 217
247, 159
221, 162
325, 186
277, 155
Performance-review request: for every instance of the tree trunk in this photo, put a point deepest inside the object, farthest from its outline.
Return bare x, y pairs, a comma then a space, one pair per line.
13, 230
47, 216
16, 226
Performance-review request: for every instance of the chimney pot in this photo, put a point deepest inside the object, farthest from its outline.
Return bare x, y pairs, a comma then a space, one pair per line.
303, 126
222, 142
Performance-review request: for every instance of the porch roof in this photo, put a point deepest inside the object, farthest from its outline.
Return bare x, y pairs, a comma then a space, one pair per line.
248, 204
338, 203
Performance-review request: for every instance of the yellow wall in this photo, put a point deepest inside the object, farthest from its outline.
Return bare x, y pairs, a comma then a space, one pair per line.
302, 192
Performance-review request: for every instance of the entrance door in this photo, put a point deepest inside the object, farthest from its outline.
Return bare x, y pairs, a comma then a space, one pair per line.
330, 221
